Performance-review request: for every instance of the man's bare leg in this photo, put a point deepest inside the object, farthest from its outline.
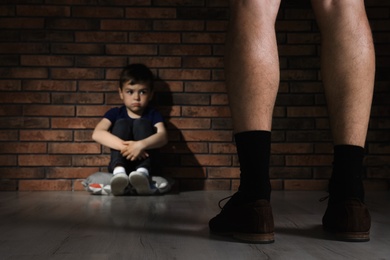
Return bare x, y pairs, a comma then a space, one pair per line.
252, 79
348, 68
252, 63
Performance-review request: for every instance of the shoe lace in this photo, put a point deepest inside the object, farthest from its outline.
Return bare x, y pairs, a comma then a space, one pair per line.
220, 201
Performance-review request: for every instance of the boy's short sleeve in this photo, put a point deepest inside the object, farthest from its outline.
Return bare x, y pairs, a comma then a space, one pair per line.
155, 117
112, 114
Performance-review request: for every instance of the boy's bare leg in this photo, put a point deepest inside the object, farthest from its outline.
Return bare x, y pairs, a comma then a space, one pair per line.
252, 79
348, 68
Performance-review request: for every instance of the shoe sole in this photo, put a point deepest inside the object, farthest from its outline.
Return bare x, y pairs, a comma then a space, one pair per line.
253, 238
118, 185
140, 183
351, 236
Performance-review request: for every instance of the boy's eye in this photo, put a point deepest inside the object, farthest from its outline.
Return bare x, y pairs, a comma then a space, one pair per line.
142, 92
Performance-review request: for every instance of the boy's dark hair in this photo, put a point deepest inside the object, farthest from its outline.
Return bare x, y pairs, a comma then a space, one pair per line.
136, 74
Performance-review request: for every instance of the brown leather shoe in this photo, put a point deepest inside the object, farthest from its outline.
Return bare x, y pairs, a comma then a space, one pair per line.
250, 222
349, 220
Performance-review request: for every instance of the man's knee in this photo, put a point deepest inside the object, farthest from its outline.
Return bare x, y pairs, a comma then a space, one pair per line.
335, 7
259, 8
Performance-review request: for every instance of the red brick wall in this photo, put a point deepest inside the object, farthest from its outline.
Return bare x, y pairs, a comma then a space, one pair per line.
59, 65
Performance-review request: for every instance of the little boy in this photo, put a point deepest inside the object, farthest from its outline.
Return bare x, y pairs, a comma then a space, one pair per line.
133, 132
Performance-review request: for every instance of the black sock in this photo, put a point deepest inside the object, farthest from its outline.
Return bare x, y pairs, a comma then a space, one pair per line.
253, 149
347, 176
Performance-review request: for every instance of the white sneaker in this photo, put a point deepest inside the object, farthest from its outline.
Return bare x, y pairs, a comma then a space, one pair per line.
140, 182
118, 184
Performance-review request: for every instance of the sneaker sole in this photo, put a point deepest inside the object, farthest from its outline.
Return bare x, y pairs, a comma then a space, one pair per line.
118, 185
254, 238
140, 183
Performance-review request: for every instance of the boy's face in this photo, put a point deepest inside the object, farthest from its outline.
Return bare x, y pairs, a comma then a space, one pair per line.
135, 97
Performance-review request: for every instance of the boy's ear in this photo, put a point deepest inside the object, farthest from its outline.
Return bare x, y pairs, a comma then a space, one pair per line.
120, 93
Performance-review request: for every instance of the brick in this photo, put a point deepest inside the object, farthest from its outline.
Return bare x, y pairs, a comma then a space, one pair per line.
24, 122
45, 185
83, 136
291, 173
187, 99
70, 172
77, 98
190, 123
11, 110
8, 185
92, 110
185, 50
154, 37
91, 161
43, 61
160, 62
223, 148
74, 123
25, 97
22, 148
77, 48
76, 73
8, 160
72, 24
215, 87
291, 148
112, 37
48, 110
101, 61
150, 13
309, 160
219, 99
307, 112
9, 135
98, 12
74, 148
211, 38
49, 85
185, 148
10, 85
25, 48
205, 135
217, 26
202, 13
223, 172
25, 23
202, 111
98, 85
185, 172
22, 173
125, 25
44, 160
178, 25
45, 11
306, 185
131, 49
203, 62
46, 135
22, 73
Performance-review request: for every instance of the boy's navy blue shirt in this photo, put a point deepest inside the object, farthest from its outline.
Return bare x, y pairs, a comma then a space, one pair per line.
121, 113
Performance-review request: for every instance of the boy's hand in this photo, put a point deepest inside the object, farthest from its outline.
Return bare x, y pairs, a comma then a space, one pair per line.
134, 150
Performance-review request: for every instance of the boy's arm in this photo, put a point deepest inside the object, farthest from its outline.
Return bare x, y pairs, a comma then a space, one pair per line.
136, 150
159, 139
104, 137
